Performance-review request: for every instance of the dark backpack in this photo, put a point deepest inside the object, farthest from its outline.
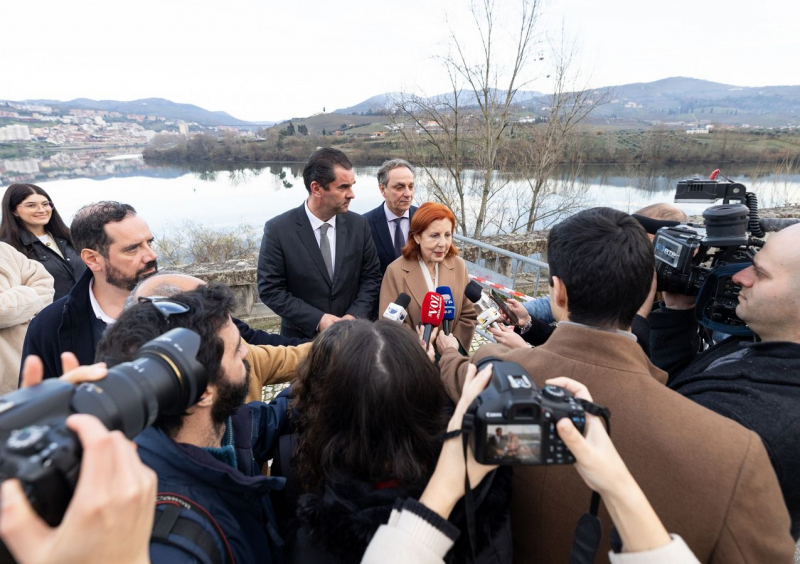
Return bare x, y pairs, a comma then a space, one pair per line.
188, 526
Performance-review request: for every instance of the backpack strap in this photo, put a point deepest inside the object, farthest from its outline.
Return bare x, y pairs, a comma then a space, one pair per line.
185, 524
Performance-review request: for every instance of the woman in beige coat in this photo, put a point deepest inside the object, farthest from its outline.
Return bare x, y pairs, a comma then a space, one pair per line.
431, 260
25, 289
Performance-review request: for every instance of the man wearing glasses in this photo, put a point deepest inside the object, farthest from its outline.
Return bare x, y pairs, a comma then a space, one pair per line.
116, 246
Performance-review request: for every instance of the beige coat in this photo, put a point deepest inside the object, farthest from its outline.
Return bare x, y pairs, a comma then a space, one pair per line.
272, 365
707, 477
405, 276
25, 288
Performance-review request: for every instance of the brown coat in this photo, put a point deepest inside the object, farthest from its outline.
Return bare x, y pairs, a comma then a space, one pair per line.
405, 276
272, 365
708, 478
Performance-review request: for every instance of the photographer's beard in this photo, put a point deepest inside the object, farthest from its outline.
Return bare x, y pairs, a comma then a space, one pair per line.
115, 277
230, 397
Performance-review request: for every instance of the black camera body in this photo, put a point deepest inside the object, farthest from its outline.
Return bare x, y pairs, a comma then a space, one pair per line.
37, 447
513, 422
689, 256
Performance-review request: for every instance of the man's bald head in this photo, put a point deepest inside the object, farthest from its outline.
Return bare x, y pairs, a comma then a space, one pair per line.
662, 211
769, 301
164, 284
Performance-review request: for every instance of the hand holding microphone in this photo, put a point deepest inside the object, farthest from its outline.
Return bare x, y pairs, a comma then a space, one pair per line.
431, 314
487, 312
449, 307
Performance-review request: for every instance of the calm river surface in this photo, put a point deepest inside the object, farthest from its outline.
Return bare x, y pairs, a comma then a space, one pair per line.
168, 195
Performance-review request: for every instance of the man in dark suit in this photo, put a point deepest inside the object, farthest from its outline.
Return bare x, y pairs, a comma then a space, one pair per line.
707, 477
318, 263
390, 221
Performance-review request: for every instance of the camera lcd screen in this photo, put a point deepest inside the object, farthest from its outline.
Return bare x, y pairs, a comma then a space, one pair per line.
514, 443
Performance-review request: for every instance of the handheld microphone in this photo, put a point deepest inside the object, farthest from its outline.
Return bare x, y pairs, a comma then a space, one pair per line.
398, 309
431, 314
487, 312
449, 307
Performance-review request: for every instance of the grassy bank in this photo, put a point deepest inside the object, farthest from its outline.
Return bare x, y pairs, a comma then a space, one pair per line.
590, 146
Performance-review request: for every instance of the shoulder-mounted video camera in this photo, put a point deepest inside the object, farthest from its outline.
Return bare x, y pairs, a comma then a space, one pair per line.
513, 422
700, 260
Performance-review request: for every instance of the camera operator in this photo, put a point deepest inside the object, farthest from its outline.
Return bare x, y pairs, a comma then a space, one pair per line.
535, 317
418, 531
755, 382
208, 459
706, 476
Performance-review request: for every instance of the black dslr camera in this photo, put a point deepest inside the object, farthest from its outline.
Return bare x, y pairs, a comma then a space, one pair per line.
691, 258
37, 448
512, 422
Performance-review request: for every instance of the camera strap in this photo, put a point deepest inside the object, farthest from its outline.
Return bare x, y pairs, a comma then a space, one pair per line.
589, 531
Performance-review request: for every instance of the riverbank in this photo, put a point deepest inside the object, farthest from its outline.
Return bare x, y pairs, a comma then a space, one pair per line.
589, 146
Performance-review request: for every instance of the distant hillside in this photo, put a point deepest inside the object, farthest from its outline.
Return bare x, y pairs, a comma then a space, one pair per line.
676, 99
383, 102
689, 99
337, 122
151, 106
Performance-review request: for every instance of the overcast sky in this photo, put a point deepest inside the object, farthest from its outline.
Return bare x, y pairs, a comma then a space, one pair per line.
268, 60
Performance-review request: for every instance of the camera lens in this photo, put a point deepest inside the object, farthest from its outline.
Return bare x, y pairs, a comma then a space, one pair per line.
165, 377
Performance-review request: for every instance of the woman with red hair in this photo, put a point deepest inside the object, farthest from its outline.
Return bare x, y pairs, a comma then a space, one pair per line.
431, 260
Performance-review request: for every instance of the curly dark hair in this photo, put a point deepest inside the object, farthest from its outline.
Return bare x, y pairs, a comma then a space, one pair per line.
209, 311
368, 404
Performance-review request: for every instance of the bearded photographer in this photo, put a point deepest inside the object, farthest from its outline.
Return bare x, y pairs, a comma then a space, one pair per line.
753, 380
208, 459
707, 477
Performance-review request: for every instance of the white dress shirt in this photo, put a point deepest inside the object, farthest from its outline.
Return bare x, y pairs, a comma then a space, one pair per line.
98, 311
316, 223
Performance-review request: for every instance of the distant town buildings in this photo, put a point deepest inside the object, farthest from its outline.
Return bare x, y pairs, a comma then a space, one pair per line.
15, 133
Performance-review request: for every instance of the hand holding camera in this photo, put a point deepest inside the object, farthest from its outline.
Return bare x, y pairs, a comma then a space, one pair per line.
446, 486
111, 512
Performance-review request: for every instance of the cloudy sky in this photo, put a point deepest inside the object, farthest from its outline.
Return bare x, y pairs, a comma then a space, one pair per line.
268, 60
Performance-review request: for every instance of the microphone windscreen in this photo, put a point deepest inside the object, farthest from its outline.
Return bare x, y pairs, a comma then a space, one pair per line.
449, 306
473, 291
432, 310
403, 300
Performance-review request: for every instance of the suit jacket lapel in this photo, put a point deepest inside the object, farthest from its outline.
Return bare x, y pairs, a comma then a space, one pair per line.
382, 228
309, 240
342, 234
414, 280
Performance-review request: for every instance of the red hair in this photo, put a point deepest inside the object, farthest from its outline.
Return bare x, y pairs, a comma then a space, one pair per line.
426, 214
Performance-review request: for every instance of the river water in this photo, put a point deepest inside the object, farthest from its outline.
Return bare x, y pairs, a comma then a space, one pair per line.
166, 196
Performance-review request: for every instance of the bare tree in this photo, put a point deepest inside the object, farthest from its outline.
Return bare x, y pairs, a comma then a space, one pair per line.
464, 129
544, 146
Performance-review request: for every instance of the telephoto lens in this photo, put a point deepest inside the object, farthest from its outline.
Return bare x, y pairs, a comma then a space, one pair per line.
37, 448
